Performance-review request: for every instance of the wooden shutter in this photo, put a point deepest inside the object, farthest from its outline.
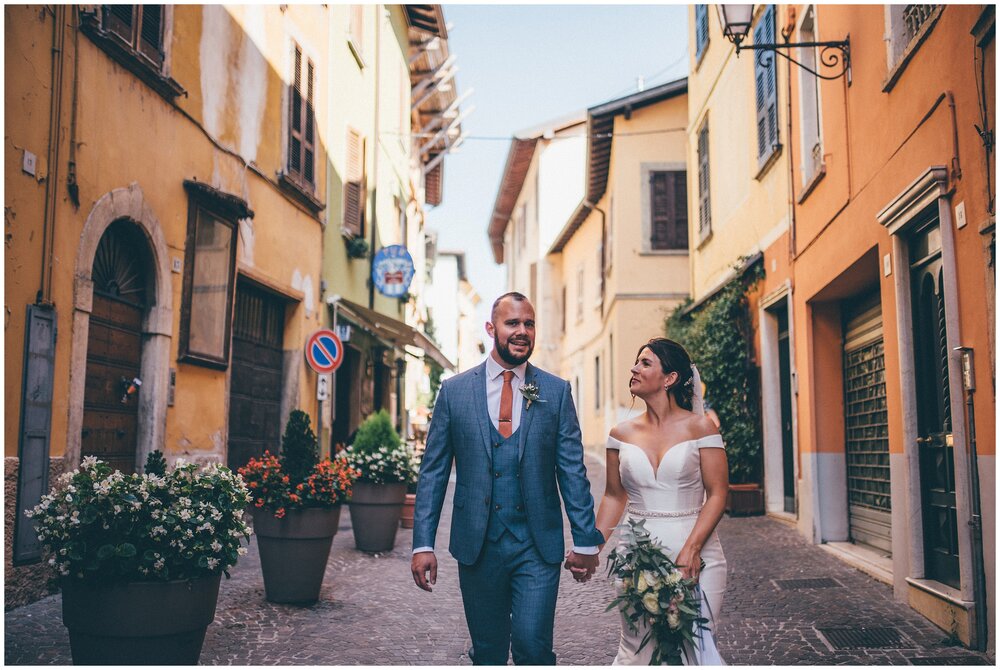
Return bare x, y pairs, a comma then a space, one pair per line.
150, 42
668, 210
766, 88
309, 142
119, 20
357, 27
701, 28
354, 197
704, 200
36, 415
295, 116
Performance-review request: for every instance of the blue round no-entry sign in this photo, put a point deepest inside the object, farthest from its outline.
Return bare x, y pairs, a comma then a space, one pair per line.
324, 351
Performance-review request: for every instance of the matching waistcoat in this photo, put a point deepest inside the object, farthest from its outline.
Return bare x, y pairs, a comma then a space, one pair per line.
507, 511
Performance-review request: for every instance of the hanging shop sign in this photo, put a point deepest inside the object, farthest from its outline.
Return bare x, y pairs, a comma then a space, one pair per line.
324, 351
392, 270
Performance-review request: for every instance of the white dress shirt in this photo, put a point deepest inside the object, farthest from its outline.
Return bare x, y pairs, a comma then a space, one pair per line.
494, 387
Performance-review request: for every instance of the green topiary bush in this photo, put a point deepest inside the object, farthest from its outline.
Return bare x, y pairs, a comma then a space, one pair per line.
156, 464
379, 455
719, 338
299, 448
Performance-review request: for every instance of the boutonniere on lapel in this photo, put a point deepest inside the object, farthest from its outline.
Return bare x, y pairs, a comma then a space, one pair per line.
530, 393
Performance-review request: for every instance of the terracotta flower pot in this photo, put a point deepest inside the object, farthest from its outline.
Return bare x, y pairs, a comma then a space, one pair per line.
375, 513
138, 623
294, 550
406, 520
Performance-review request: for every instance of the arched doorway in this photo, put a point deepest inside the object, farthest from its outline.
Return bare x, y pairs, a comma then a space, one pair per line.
121, 277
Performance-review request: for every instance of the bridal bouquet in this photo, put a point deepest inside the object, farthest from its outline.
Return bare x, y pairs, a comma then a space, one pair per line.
654, 592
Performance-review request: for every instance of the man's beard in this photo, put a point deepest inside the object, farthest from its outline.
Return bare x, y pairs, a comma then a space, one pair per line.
503, 349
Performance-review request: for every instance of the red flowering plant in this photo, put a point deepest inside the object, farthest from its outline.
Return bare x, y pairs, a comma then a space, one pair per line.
297, 479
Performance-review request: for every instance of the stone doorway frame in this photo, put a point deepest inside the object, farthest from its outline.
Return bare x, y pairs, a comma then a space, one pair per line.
157, 327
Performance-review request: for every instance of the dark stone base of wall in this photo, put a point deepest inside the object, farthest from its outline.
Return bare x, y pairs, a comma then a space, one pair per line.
27, 583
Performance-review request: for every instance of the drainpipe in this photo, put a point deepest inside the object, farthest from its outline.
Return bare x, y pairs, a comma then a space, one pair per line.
44, 296
976, 516
71, 184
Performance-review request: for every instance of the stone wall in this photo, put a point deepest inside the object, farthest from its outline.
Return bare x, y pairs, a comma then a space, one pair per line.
28, 583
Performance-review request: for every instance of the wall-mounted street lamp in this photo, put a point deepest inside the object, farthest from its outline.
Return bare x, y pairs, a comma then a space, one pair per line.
737, 19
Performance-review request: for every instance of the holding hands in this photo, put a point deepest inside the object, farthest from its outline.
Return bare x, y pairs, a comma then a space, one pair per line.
583, 566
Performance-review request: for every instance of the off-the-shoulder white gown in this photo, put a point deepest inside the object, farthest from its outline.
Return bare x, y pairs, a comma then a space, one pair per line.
669, 497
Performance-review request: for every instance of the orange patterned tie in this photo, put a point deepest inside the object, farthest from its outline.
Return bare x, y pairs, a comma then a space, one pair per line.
506, 404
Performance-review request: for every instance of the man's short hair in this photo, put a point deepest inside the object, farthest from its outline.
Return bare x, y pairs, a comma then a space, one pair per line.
513, 295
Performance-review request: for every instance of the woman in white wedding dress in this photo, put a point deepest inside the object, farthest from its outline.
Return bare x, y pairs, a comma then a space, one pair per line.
668, 466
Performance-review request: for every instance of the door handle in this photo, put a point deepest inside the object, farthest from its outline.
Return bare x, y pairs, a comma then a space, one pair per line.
120, 433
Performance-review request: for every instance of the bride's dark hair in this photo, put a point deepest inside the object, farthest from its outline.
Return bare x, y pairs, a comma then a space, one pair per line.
674, 358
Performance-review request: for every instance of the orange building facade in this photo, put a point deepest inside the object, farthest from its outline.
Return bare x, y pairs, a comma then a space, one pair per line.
875, 322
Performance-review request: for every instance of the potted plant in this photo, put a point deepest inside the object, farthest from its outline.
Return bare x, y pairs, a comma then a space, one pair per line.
140, 557
296, 512
385, 467
357, 247
410, 501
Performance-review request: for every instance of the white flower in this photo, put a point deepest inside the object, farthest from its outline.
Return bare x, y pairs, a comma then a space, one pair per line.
89, 462
674, 577
242, 551
673, 619
650, 602
212, 562
216, 546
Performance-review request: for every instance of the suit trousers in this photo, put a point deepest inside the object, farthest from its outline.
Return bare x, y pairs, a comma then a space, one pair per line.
509, 595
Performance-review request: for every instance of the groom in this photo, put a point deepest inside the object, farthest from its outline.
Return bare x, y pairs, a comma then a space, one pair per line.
512, 432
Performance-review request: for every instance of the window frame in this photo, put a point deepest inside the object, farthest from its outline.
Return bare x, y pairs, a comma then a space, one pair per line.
648, 172
810, 107
227, 210
898, 56
354, 176
701, 28
356, 32
95, 24
704, 183
768, 147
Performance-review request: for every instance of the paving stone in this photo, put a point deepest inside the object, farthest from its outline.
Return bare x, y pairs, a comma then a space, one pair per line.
370, 612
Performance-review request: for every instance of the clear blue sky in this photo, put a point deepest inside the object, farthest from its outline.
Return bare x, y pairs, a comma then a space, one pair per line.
529, 64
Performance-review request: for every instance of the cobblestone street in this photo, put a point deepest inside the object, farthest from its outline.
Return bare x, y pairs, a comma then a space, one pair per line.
370, 612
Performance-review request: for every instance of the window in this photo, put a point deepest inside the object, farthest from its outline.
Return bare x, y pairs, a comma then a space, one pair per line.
700, 29
668, 210
140, 27
301, 122
599, 276
906, 28
609, 237
809, 107
597, 382
356, 31
565, 311
704, 199
522, 225
766, 85
209, 274
579, 294
354, 185
533, 283
136, 36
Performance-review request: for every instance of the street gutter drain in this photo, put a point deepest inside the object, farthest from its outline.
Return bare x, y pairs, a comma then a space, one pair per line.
818, 583
949, 660
864, 638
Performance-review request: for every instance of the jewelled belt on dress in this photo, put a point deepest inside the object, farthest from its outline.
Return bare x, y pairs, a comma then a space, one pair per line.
653, 514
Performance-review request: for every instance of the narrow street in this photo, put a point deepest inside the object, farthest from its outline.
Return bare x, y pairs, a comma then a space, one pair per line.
370, 612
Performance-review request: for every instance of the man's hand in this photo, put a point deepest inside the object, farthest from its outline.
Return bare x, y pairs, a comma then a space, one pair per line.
421, 564
583, 566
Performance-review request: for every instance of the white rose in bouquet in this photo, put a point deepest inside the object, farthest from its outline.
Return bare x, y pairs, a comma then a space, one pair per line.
651, 603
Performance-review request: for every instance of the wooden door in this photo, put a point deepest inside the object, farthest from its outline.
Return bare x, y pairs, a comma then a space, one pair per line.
256, 382
114, 347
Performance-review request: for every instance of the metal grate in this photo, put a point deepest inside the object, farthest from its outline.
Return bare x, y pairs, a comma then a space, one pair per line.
816, 583
914, 16
864, 638
967, 659
867, 428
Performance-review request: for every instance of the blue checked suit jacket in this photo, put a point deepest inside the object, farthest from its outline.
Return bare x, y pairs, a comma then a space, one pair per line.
550, 453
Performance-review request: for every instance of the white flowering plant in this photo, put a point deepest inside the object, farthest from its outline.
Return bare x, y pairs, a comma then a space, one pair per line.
101, 524
654, 594
379, 456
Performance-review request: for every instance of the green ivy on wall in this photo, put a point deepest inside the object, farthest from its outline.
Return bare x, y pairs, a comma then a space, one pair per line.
719, 337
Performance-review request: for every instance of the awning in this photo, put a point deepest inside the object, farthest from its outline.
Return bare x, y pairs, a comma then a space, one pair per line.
392, 330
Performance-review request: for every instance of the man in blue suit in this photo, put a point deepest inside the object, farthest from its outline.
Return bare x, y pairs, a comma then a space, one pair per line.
512, 432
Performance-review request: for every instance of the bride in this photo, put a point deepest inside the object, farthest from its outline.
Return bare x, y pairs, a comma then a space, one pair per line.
668, 466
